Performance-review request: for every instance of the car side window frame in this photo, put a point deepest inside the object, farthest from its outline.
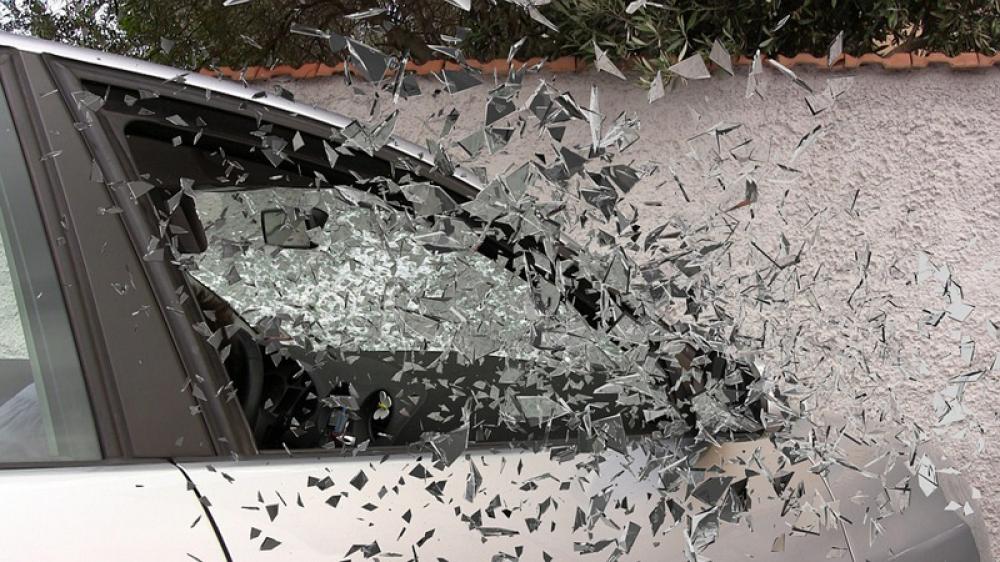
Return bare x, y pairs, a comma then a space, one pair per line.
99, 280
203, 377
66, 423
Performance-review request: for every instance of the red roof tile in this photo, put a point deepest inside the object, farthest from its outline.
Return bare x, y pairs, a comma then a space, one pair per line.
898, 61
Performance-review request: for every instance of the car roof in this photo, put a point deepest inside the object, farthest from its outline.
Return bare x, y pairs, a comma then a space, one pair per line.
222, 86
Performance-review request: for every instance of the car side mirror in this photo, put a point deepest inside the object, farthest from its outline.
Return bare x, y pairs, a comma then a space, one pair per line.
290, 228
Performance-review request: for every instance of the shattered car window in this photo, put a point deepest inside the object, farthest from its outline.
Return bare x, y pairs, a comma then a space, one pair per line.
376, 279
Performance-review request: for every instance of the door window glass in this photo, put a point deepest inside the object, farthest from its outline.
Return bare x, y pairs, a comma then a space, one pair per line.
44, 410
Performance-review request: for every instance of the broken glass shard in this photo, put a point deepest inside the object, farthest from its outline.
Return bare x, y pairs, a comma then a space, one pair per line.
721, 57
691, 68
604, 64
836, 49
656, 87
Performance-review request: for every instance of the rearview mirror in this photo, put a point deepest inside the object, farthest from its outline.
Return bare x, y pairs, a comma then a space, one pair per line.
290, 228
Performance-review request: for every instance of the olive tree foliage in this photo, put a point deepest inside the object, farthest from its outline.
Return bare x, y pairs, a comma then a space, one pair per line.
88, 23
200, 33
657, 33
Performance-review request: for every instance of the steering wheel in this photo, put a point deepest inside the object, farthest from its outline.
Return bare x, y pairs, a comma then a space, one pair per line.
245, 363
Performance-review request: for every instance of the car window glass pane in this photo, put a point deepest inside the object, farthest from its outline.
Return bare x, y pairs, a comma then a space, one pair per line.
44, 410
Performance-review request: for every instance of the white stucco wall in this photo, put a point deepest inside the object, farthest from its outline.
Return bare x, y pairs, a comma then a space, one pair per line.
920, 150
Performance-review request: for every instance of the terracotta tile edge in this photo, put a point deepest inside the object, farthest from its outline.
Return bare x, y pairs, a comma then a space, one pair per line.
897, 61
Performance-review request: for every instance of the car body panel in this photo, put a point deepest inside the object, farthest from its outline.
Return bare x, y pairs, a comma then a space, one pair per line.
925, 529
285, 499
611, 499
440, 526
916, 532
129, 512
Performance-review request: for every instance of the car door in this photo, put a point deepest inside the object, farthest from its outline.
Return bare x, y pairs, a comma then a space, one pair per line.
86, 374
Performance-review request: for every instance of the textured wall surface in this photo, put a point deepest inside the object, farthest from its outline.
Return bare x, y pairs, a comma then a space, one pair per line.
908, 162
